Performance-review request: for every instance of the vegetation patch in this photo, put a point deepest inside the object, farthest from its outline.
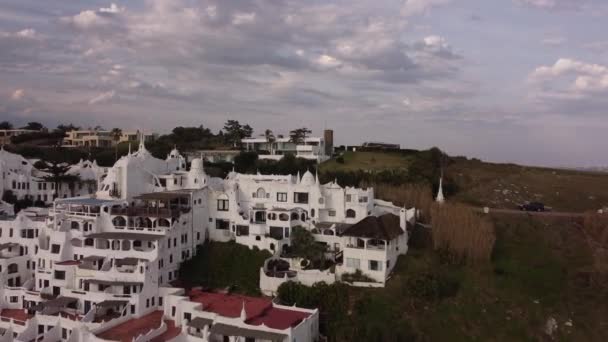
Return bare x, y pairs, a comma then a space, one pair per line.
225, 264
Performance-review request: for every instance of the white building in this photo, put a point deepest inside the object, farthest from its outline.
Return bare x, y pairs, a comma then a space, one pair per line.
24, 180
100, 268
313, 148
100, 138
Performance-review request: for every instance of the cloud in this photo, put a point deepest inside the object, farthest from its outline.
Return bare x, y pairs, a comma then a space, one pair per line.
556, 4
570, 86
18, 94
103, 97
553, 41
414, 7
94, 19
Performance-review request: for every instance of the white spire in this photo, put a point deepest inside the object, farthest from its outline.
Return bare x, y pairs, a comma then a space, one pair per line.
317, 176
142, 146
129, 149
440, 198
243, 313
298, 178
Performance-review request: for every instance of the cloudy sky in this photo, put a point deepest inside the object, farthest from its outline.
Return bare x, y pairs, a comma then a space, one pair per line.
504, 80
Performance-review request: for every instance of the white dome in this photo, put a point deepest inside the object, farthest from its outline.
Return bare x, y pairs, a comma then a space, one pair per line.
308, 178
197, 164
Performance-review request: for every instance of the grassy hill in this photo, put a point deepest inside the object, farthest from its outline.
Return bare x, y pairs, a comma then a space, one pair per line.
505, 185
477, 183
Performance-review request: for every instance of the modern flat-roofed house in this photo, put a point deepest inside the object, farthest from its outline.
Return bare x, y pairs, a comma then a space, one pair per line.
7, 134
99, 138
313, 148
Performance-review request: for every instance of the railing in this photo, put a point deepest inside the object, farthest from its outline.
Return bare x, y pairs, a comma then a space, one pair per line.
149, 211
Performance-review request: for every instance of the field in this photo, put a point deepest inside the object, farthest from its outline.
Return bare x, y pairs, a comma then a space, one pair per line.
505, 185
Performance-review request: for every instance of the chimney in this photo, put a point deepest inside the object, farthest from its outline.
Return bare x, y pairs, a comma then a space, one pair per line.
328, 137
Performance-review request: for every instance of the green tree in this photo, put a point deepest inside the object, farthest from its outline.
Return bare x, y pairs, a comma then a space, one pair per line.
35, 126
235, 132
116, 134
298, 136
304, 245
6, 125
271, 139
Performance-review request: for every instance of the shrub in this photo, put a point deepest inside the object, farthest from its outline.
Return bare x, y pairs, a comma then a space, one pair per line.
220, 265
596, 231
340, 160
357, 276
433, 286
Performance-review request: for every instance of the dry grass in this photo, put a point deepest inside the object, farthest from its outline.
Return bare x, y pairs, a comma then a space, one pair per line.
595, 227
506, 185
461, 232
409, 195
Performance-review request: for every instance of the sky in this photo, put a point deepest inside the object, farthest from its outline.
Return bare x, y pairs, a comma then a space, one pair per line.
521, 81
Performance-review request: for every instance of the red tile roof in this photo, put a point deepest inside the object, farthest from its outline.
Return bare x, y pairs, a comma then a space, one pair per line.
258, 310
172, 331
16, 314
132, 328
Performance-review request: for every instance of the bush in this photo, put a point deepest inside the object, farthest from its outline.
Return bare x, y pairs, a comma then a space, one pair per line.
357, 276
221, 265
433, 286
340, 160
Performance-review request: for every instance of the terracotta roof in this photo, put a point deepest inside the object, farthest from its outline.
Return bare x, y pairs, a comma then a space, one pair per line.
258, 310
385, 227
132, 328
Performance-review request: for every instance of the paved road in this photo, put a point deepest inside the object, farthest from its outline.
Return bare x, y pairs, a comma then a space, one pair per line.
534, 213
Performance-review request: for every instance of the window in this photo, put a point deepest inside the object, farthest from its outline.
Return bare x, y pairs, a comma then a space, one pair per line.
222, 224
331, 213
363, 199
300, 197
60, 275
281, 197
348, 198
14, 299
260, 193
222, 205
350, 213
55, 248
353, 263
187, 316
242, 230
375, 265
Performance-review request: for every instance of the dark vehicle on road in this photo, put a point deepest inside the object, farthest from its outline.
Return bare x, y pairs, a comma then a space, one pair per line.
532, 206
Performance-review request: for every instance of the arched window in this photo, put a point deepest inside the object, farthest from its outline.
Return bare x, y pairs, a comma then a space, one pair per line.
75, 225
126, 245
312, 213
260, 193
294, 216
163, 223
89, 242
303, 217
119, 221
350, 213
13, 268
283, 217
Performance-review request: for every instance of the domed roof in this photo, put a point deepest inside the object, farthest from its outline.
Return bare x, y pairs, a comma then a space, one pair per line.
197, 164
308, 178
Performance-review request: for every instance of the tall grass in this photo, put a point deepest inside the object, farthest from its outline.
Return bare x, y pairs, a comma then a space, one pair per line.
463, 234
596, 231
409, 195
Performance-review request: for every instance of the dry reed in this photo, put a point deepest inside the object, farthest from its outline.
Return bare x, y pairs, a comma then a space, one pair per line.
462, 233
